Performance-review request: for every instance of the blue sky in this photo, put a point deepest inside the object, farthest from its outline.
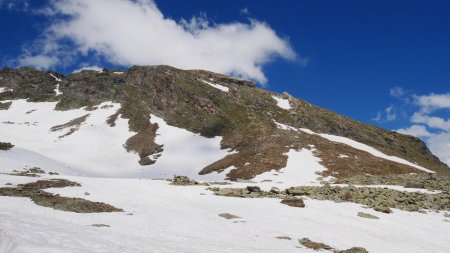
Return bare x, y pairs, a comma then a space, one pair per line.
381, 62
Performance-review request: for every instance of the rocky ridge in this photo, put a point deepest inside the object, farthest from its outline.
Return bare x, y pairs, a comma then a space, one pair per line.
245, 116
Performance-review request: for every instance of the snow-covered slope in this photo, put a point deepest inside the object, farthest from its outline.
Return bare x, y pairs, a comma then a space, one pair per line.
354, 144
95, 148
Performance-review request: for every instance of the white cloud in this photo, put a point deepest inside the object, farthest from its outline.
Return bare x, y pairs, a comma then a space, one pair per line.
397, 92
38, 61
128, 32
431, 121
415, 130
389, 114
244, 12
432, 102
439, 144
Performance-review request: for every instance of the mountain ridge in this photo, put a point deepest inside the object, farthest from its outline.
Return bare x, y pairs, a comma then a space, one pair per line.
258, 125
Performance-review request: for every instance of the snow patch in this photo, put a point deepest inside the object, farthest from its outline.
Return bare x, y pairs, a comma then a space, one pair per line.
282, 103
185, 153
95, 149
217, 86
57, 90
301, 169
56, 78
285, 127
3, 89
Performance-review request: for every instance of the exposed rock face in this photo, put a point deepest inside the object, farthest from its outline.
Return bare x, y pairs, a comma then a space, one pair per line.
244, 116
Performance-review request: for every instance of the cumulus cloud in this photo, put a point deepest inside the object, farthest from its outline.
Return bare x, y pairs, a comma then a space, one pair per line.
126, 32
415, 130
431, 121
440, 145
432, 102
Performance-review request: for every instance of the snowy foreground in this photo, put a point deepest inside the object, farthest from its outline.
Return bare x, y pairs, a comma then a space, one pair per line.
159, 217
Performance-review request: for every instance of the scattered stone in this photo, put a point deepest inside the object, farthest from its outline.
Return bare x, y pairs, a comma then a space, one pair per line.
380, 199
87, 194
254, 189
8, 184
219, 183
240, 193
28, 172
367, 216
447, 215
36, 170
183, 180
53, 173
6, 146
294, 202
283, 238
354, 250
229, 216
314, 245
275, 190
101, 225
383, 209
429, 181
